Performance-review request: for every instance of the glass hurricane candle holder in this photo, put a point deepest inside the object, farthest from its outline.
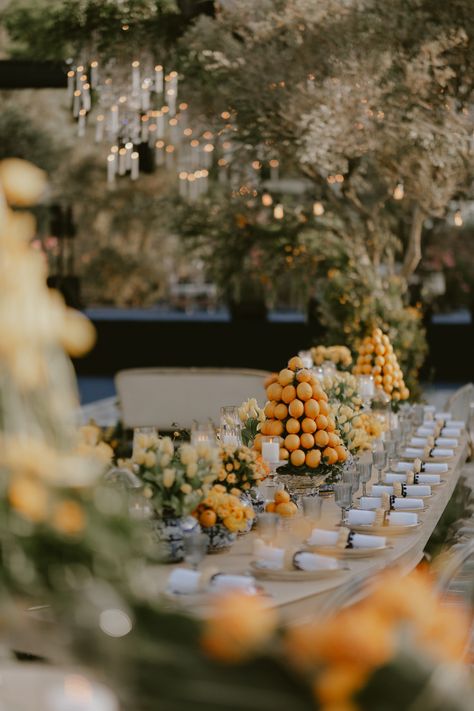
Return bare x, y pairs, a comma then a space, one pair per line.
366, 387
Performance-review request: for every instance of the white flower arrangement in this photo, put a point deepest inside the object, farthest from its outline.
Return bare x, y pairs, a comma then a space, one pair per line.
251, 416
176, 477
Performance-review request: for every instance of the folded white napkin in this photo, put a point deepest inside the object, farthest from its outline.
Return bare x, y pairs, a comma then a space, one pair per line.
412, 489
402, 518
443, 416
441, 452
429, 467
451, 431
412, 453
373, 502
275, 558
222, 581
320, 537
312, 561
447, 442
358, 517
184, 581
392, 477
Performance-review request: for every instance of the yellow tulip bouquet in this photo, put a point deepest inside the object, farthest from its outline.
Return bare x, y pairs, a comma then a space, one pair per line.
176, 477
251, 417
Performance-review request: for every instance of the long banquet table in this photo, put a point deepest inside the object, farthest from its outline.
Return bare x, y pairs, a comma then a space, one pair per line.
296, 600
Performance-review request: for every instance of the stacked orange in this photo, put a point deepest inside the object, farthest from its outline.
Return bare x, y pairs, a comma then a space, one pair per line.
297, 411
377, 358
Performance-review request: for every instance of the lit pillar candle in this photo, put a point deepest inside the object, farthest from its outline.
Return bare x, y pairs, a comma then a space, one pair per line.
183, 184
271, 449
128, 157
145, 96
160, 124
86, 97
159, 153
70, 83
122, 161
111, 168
99, 128
94, 74
274, 169
76, 104
77, 693
81, 124
136, 76
144, 131
135, 170
114, 119
79, 73
169, 156
159, 79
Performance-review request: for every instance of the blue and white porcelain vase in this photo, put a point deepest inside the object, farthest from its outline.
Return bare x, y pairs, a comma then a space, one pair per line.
220, 538
169, 534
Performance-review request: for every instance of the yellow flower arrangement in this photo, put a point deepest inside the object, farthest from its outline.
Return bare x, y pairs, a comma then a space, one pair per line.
242, 468
251, 416
339, 355
220, 507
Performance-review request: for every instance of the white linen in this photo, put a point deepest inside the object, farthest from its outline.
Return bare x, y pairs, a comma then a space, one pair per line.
401, 502
402, 518
358, 517
184, 581
313, 562
446, 442
243, 583
430, 467
320, 537
412, 489
392, 477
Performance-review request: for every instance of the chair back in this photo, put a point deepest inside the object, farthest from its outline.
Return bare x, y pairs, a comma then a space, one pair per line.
169, 397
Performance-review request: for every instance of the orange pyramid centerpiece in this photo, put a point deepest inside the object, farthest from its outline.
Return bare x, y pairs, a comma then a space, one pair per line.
297, 411
377, 358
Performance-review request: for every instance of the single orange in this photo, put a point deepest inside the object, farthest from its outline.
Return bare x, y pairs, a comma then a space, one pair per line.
208, 518
295, 363
286, 377
331, 424
269, 410
313, 458
296, 408
297, 458
288, 393
341, 453
293, 426
321, 438
323, 407
322, 422
304, 391
307, 440
292, 442
308, 425
274, 391
270, 507
304, 376
281, 411
330, 455
282, 497
257, 443
276, 428
311, 408
284, 454
288, 509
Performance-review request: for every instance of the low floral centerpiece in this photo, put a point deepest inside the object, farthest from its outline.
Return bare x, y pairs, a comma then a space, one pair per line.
176, 479
222, 516
242, 470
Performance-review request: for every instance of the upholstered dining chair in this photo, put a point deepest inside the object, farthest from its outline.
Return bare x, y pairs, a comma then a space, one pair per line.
164, 397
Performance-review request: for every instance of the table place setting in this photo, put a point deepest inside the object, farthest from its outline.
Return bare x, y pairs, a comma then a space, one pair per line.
399, 488
291, 564
419, 467
410, 478
188, 582
381, 521
346, 543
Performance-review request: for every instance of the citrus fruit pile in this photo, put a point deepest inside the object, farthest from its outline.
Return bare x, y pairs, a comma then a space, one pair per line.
377, 358
282, 504
297, 411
